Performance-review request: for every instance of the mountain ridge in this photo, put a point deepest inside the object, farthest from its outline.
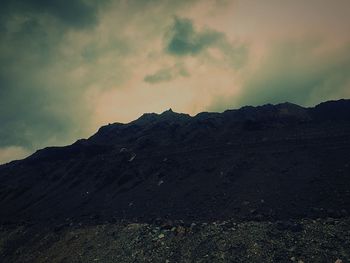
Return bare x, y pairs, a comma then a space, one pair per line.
263, 163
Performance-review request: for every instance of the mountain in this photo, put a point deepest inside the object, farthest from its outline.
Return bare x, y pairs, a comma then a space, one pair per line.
261, 163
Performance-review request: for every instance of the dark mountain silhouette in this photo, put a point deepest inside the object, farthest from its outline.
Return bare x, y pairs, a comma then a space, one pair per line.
268, 162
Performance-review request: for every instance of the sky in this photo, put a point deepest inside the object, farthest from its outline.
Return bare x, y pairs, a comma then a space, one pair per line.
69, 67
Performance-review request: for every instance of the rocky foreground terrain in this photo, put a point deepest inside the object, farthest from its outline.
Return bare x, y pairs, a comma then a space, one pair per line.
257, 184
320, 240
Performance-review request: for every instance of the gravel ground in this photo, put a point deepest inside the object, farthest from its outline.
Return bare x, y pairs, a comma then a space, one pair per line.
320, 240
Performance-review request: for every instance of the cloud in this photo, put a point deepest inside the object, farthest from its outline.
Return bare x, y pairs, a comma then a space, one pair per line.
75, 13
303, 72
167, 74
37, 91
184, 40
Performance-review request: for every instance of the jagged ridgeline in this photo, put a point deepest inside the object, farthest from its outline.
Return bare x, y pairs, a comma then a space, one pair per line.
267, 162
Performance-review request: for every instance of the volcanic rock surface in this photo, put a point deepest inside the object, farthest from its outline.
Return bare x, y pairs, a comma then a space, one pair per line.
271, 162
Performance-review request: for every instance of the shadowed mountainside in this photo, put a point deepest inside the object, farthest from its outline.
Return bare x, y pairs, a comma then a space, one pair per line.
268, 162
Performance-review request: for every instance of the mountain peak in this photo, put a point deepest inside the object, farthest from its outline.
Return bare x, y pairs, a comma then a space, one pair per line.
171, 115
168, 112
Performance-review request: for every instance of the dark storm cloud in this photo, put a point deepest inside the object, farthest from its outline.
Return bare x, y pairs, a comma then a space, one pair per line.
183, 39
73, 13
31, 113
35, 107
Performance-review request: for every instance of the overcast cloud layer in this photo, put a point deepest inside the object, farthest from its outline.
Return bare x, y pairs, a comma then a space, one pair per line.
68, 67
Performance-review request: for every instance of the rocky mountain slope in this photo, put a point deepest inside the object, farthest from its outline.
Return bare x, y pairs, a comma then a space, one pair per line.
271, 162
